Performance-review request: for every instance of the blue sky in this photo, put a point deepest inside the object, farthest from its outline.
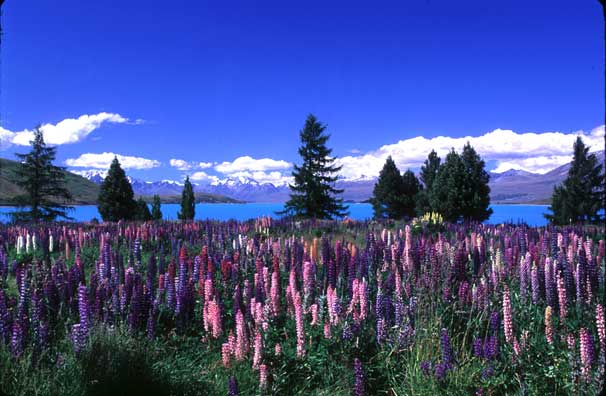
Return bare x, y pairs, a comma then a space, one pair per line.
212, 82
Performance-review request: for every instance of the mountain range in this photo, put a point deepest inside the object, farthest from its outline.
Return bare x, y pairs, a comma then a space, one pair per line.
512, 186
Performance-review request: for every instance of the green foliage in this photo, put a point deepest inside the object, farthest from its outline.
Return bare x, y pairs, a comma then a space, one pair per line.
142, 212
116, 198
42, 182
581, 196
394, 195
313, 194
156, 212
429, 171
460, 189
188, 202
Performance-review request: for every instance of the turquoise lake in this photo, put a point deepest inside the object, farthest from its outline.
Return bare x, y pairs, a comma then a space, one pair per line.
531, 214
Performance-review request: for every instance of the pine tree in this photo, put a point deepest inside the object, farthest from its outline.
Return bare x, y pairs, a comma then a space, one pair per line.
411, 189
429, 170
476, 191
156, 212
447, 189
142, 211
313, 194
44, 184
188, 202
388, 191
581, 196
116, 198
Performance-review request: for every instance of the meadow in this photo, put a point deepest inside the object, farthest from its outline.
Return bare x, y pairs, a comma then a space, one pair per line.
278, 307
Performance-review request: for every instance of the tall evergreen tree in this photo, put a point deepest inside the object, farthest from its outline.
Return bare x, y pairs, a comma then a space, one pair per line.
387, 195
313, 194
410, 194
142, 212
429, 171
476, 191
43, 184
156, 212
581, 196
447, 189
116, 198
188, 202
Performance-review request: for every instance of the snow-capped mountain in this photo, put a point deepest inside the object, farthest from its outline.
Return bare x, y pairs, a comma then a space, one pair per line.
512, 186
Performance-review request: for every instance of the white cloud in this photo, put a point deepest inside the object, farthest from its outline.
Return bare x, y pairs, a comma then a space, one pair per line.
249, 164
276, 178
103, 161
204, 177
533, 152
70, 130
183, 165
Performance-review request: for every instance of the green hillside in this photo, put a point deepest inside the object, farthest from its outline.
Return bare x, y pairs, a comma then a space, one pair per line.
83, 190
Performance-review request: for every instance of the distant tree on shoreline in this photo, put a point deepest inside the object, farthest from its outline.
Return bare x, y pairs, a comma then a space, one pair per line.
44, 184
116, 198
394, 195
156, 212
188, 202
313, 194
581, 196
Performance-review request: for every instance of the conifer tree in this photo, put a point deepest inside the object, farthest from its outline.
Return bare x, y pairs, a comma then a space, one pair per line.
116, 198
313, 194
410, 194
429, 170
156, 212
581, 196
43, 183
387, 201
476, 191
143, 213
447, 189
188, 202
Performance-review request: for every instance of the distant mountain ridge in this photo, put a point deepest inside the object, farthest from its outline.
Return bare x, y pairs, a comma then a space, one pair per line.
511, 186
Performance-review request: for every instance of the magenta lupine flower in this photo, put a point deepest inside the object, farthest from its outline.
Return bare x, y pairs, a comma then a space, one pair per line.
359, 387
274, 293
507, 320
241, 338
258, 351
278, 349
524, 270
599, 322
363, 298
263, 376
561, 296
586, 346
307, 278
314, 314
534, 284
327, 331
226, 354
299, 325
570, 342
548, 325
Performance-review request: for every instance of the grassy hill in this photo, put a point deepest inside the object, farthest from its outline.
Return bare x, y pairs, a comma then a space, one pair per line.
83, 190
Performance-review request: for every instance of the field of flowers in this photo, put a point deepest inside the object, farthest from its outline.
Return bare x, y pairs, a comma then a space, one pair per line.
301, 308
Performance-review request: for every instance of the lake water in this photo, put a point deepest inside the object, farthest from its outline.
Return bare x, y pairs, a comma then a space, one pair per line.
531, 214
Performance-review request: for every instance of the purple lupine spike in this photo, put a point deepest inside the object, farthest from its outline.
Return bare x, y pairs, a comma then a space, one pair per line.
17, 339
478, 348
359, 386
495, 322
233, 387
491, 347
447, 355
426, 367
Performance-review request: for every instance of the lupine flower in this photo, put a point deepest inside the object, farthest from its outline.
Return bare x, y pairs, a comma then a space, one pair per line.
278, 350
359, 387
299, 325
226, 354
586, 346
548, 325
561, 297
241, 338
258, 351
478, 349
507, 320
599, 321
17, 339
447, 356
327, 330
534, 284
233, 387
426, 367
263, 376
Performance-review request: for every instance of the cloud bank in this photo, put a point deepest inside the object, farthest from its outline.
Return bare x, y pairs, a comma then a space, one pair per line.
532, 152
183, 165
70, 130
103, 161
